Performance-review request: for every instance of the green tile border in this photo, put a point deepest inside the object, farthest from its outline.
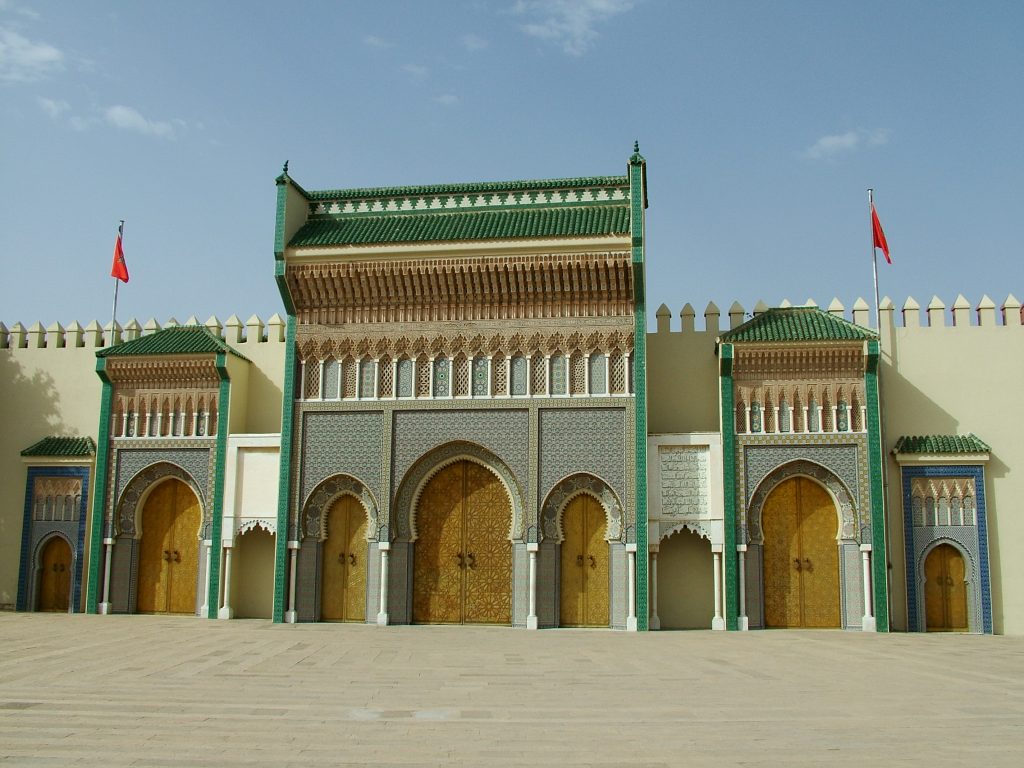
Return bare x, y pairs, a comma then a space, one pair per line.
879, 551
284, 473
731, 580
99, 498
217, 513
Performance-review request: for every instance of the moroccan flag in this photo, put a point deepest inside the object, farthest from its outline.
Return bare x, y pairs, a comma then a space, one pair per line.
876, 230
119, 269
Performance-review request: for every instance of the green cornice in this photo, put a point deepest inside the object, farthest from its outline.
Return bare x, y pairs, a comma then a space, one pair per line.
282, 287
797, 324
64, 447
182, 340
961, 444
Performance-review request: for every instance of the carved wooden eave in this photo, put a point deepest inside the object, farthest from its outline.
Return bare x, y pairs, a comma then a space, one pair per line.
508, 287
793, 362
164, 372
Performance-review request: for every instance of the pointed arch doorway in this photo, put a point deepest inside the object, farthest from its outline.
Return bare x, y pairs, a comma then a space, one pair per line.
169, 550
945, 590
343, 589
462, 561
801, 557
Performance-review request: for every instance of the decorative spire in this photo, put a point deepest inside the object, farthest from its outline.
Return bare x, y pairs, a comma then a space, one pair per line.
636, 157
285, 169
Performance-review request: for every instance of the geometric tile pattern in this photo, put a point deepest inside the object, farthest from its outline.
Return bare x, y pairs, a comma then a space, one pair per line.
585, 440
341, 443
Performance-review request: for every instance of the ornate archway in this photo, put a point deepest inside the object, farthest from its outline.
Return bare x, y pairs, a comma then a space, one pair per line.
326, 493
129, 506
844, 500
572, 486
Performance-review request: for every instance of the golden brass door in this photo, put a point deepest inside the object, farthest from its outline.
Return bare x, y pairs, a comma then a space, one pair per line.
462, 563
945, 590
343, 588
55, 576
169, 550
801, 557
584, 575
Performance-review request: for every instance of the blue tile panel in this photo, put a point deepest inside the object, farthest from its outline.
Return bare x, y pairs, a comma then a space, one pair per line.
915, 602
27, 566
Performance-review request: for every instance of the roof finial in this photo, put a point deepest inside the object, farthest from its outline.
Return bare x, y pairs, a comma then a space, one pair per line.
636, 157
636, 147
285, 169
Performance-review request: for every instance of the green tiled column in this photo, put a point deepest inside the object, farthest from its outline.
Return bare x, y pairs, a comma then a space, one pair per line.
879, 555
99, 497
219, 459
731, 581
638, 202
284, 483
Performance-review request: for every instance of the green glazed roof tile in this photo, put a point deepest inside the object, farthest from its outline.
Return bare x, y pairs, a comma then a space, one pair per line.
62, 446
572, 221
185, 340
797, 324
941, 444
476, 186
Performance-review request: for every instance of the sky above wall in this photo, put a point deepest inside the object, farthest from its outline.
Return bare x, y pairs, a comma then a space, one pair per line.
763, 125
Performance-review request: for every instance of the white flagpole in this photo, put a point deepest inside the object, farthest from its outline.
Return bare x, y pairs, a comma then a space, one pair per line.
874, 257
113, 314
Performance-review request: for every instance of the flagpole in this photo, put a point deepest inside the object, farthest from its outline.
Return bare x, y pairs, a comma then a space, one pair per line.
113, 313
874, 259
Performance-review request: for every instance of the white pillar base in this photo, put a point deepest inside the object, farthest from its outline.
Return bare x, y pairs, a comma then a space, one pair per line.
382, 619
631, 624
718, 623
531, 622
290, 617
104, 609
225, 613
654, 622
743, 623
868, 624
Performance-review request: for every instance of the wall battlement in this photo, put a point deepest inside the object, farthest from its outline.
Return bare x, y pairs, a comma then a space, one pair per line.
961, 314
96, 336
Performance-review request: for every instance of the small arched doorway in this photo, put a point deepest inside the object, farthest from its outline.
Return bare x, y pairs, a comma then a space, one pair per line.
945, 590
801, 557
462, 560
584, 575
343, 586
55, 576
169, 550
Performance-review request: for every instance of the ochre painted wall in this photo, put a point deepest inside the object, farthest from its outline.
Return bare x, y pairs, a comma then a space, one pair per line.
685, 582
252, 575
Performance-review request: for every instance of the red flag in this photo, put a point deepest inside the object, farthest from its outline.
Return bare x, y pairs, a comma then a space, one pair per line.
119, 269
879, 235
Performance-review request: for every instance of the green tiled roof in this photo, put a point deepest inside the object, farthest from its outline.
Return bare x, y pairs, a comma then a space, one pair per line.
941, 444
62, 446
570, 221
798, 324
184, 340
473, 186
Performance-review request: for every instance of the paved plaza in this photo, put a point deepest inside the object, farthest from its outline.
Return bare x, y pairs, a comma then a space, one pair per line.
168, 691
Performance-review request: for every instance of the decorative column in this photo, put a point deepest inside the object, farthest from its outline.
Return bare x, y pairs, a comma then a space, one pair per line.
376, 379
531, 618
631, 572
547, 373
508, 375
394, 378
654, 622
291, 615
868, 623
430, 373
124, 424
629, 379
746, 424
322, 382
835, 424
149, 422
586, 374
490, 376
743, 621
207, 548
777, 425
382, 614
863, 419
607, 374
807, 424
302, 380
206, 424
225, 611
719, 621
104, 607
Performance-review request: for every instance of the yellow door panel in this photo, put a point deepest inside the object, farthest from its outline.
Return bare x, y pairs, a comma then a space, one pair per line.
488, 551
55, 576
439, 558
157, 524
355, 562
780, 526
572, 609
596, 577
957, 581
184, 563
819, 556
945, 590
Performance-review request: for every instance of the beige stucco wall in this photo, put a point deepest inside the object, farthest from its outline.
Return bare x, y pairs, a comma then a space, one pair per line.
685, 582
48, 389
945, 379
252, 575
682, 377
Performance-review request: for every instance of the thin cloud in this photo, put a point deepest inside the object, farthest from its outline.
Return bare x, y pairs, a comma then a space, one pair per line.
572, 24
52, 107
416, 71
447, 99
25, 61
835, 144
474, 42
377, 42
28, 13
130, 119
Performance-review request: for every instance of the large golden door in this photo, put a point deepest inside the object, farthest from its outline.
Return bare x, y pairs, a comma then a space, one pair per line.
945, 590
462, 564
169, 550
55, 576
343, 590
584, 581
801, 557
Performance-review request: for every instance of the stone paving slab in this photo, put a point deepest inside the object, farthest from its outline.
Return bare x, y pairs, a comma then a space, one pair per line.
170, 691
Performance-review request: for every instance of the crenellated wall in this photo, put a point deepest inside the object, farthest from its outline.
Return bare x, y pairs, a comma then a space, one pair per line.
946, 369
49, 386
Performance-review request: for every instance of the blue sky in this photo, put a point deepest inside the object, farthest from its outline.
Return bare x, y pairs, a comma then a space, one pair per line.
763, 123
